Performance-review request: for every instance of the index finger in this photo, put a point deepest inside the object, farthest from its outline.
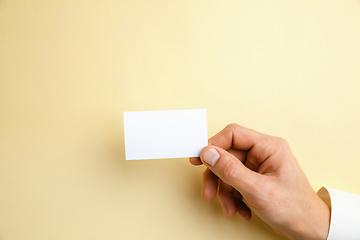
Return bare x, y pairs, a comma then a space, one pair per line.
236, 136
195, 161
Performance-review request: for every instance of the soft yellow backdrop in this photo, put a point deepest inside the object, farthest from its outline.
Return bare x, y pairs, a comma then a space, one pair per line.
68, 70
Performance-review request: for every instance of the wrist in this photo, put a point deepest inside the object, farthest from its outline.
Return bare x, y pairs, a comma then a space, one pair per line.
314, 223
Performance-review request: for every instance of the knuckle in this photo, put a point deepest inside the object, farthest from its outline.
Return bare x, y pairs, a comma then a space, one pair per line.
269, 145
282, 142
232, 126
269, 192
230, 170
285, 145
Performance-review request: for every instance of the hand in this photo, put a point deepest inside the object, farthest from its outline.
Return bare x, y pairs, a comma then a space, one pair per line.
254, 172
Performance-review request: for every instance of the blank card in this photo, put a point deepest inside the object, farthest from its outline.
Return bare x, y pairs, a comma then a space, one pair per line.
165, 134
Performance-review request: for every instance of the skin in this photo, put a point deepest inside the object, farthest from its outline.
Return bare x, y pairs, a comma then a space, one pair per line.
251, 172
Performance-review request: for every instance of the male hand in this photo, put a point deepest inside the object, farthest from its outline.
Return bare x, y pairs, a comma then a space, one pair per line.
254, 172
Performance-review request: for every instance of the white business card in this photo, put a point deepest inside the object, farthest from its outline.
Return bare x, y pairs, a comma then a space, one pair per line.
165, 134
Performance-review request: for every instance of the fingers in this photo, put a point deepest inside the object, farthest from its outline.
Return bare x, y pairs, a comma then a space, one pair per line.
236, 136
195, 161
231, 202
226, 199
274, 148
239, 154
252, 146
229, 198
243, 211
210, 185
229, 168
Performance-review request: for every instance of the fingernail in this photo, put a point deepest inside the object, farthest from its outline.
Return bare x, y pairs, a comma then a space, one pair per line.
211, 156
224, 209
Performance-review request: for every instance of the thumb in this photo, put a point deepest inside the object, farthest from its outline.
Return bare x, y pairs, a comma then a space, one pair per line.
228, 168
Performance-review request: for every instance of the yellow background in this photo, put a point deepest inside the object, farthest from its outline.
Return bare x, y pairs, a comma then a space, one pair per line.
68, 70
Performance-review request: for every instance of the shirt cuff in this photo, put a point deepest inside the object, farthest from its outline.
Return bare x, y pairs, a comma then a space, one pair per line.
345, 213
